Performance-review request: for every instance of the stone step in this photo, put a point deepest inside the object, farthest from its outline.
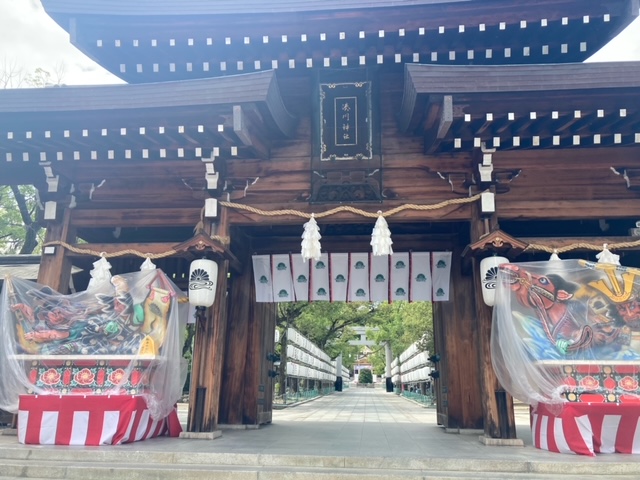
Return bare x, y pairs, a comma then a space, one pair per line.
90, 471
115, 464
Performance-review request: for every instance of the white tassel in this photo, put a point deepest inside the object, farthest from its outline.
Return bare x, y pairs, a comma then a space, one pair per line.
311, 240
605, 256
101, 272
147, 265
381, 237
554, 256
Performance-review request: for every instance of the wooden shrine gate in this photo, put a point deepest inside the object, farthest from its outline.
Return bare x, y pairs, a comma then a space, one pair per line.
473, 126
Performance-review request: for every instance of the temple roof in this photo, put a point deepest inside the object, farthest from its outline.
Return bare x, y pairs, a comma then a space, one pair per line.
460, 108
158, 41
172, 7
172, 120
455, 108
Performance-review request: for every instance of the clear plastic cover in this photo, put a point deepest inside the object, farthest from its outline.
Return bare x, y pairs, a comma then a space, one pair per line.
567, 330
124, 335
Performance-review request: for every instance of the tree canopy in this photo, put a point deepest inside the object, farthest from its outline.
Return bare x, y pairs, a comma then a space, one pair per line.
365, 376
20, 220
20, 210
329, 326
400, 324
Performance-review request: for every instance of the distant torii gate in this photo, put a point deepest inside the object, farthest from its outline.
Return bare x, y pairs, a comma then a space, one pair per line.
362, 331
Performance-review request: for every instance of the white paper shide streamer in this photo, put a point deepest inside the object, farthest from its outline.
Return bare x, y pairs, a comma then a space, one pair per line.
605, 256
101, 273
311, 240
147, 265
381, 237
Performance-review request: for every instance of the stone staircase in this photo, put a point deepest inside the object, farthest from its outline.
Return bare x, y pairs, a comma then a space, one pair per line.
115, 463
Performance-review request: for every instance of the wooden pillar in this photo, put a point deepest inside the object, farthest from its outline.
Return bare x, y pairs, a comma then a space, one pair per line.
497, 405
242, 295
248, 390
258, 392
55, 268
208, 352
455, 338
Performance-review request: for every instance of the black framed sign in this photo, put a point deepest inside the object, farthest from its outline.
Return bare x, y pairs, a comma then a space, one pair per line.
345, 121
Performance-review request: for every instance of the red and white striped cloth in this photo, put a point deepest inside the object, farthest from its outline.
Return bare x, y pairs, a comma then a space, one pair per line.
587, 428
91, 420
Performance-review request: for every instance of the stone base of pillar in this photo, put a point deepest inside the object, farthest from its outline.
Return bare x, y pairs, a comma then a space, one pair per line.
389, 384
501, 442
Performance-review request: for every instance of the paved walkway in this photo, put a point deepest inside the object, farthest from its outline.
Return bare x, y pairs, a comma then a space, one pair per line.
359, 422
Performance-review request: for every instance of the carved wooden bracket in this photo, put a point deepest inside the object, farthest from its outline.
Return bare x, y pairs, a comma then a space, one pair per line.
495, 242
201, 244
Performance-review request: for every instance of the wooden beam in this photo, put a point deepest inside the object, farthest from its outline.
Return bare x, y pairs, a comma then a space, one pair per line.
577, 120
280, 244
508, 209
486, 124
243, 128
241, 217
55, 268
561, 242
135, 217
110, 248
434, 136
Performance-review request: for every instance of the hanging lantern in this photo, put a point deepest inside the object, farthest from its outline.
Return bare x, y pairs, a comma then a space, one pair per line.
489, 277
203, 276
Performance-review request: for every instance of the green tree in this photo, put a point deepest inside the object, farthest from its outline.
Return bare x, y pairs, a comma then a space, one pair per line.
365, 376
20, 220
325, 324
20, 216
400, 324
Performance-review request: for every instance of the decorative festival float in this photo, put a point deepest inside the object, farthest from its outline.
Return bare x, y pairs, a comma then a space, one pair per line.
98, 367
566, 340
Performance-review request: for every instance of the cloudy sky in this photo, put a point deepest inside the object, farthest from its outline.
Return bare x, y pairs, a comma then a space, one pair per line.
30, 39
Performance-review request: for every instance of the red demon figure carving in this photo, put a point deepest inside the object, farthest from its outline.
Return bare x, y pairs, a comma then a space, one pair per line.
569, 326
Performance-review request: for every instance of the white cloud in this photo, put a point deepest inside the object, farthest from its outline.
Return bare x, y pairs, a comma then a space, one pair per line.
30, 39
625, 47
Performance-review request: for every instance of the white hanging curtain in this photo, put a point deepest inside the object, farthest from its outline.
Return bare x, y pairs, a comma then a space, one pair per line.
300, 272
420, 287
359, 277
339, 276
399, 276
320, 278
262, 278
379, 278
282, 280
441, 274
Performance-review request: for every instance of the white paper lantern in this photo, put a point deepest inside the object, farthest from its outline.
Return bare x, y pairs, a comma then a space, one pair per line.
489, 277
203, 276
